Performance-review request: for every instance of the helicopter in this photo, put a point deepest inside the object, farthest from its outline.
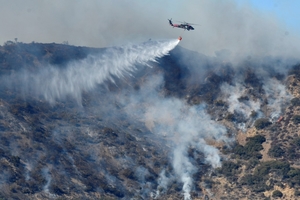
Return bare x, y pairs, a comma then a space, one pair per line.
184, 25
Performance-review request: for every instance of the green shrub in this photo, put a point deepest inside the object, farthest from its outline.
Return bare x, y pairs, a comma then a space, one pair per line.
251, 179
251, 148
228, 168
252, 162
294, 176
262, 123
276, 151
258, 139
280, 167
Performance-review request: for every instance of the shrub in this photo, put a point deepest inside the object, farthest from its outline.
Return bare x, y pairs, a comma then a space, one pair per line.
220, 103
297, 193
277, 193
295, 102
251, 179
252, 162
296, 141
208, 183
262, 123
276, 151
253, 114
258, 139
280, 167
294, 176
230, 117
251, 148
228, 168
243, 98
296, 119
15, 160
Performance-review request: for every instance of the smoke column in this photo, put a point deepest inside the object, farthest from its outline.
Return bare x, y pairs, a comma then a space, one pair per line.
53, 83
181, 125
277, 96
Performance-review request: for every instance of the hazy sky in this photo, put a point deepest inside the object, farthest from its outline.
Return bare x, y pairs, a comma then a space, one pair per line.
286, 10
244, 27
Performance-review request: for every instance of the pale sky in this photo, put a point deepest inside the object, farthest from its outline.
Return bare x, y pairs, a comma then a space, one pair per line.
286, 10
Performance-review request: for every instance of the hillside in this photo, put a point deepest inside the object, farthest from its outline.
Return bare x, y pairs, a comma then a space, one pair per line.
182, 126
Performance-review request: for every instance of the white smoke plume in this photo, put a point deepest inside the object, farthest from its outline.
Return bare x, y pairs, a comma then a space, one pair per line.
182, 125
163, 182
277, 96
232, 94
53, 83
47, 175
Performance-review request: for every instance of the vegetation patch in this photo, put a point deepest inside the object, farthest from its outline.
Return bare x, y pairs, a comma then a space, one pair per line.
251, 148
262, 123
279, 167
229, 169
295, 102
296, 119
276, 151
277, 193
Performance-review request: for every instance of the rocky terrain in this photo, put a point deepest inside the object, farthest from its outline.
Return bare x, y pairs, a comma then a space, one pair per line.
183, 126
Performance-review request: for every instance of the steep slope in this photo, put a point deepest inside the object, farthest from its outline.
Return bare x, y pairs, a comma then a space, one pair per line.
180, 126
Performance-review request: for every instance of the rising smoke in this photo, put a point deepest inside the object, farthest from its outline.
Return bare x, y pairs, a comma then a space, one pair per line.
230, 25
228, 33
183, 126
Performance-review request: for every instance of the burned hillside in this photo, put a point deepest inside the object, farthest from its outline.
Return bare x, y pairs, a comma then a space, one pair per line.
183, 125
